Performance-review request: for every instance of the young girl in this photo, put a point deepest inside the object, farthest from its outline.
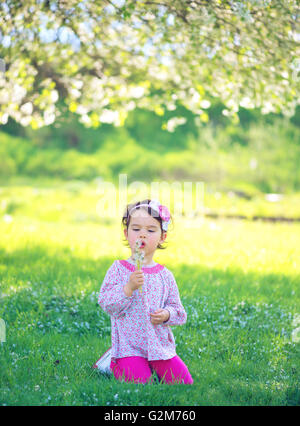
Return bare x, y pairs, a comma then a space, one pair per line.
144, 303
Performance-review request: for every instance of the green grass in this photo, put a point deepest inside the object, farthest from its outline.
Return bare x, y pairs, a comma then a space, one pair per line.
239, 282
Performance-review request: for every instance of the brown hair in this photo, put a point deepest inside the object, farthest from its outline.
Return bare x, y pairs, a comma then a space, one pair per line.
126, 216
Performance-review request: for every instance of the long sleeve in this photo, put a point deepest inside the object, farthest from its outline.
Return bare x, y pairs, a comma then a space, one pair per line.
173, 304
112, 298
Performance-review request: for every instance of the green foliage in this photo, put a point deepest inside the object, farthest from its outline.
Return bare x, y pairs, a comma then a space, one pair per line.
147, 129
261, 152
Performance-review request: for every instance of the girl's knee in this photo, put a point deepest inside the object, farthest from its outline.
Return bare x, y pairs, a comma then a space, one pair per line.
132, 370
173, 371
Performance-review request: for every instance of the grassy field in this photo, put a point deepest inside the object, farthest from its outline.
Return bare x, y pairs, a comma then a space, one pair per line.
239, 282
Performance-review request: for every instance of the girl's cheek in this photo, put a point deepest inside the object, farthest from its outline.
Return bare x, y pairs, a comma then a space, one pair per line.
131, 240
153, 239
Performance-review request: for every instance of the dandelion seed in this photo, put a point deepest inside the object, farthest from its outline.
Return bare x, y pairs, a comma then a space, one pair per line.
138, 257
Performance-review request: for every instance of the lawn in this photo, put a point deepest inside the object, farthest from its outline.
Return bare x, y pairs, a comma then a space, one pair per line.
238, 280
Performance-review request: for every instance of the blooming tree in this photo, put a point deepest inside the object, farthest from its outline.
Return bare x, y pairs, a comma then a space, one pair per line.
104, 58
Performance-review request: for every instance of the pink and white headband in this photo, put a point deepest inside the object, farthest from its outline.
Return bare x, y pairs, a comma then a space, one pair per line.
161, 210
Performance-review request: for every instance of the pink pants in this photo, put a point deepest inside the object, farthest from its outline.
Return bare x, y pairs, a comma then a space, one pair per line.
139, 370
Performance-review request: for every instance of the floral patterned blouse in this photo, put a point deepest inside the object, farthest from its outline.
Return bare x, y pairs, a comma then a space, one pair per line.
132, 332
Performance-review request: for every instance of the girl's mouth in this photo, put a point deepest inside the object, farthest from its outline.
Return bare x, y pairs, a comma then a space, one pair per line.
143, 244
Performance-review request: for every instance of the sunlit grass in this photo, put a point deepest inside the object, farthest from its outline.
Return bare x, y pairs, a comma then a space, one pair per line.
239, 282
76, 201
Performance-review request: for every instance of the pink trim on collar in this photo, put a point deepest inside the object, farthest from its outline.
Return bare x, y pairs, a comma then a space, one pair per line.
146, 270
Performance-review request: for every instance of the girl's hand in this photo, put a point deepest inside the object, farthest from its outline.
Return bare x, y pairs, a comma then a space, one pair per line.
136, 281
160, 316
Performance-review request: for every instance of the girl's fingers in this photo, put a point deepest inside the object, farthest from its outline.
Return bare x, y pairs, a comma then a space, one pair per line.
156, 319
159, 316
157, 313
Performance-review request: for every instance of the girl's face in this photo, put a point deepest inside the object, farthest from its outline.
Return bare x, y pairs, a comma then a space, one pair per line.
144, 227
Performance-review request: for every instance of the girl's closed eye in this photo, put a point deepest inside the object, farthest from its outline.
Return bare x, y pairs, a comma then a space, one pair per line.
149, 230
